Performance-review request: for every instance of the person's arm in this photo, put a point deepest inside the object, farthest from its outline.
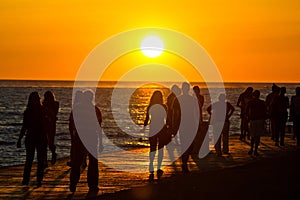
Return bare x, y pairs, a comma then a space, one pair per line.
231, 110
209, 109
147, 117
99, 117
239, 101
56, 108
23, 129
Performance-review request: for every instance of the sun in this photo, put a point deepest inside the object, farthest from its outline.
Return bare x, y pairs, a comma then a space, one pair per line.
152, 46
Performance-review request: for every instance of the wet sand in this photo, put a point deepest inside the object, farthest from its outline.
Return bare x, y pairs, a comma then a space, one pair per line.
272, 175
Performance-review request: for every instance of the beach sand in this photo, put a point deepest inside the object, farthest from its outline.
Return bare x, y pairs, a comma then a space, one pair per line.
275, 174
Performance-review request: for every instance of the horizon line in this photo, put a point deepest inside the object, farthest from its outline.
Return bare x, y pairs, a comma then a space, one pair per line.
193, 81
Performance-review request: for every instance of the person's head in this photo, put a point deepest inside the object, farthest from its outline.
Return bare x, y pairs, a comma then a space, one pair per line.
275, 88
298, 91
222, 97
88, 96
256, 94
156, 98
49, 96
78, 97
185, 88
196, 89
282, 91
34, 100
176, 90
249, 90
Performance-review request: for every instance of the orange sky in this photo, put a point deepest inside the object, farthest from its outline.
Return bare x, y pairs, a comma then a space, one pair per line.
249, 40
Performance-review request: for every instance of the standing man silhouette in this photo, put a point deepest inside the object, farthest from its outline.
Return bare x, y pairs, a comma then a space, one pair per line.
189, 123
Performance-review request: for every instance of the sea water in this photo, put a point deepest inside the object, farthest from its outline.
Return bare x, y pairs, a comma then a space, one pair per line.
129, 115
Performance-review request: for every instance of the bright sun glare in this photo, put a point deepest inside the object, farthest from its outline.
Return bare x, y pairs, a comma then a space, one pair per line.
152, 46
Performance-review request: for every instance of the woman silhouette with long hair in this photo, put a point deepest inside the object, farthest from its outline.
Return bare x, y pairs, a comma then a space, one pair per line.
33, 128
156, 114
51, 110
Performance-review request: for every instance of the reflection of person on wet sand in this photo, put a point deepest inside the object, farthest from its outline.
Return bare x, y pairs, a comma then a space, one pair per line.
156, 114
173, 120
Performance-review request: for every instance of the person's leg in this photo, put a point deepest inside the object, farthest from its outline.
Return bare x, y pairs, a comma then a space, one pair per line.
257, 141
242, 129
93, 173
41, 151
297, 130
160, 154
153, 144
273, 127
52, 147
225, 137
76, 160
282, 131
30, 149
218, 146
276, 126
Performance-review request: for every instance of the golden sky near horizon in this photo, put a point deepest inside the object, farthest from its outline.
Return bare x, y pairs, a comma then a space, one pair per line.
249, 40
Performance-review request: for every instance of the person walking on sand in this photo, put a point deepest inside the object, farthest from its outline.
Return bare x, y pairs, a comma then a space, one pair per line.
217, 121
280, 114
295, 114
51, 110
35, 138
242, 102
256, 112
156, 115
189, 124
84, 140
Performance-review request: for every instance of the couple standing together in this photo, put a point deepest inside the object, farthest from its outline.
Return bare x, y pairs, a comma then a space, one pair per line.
181, 114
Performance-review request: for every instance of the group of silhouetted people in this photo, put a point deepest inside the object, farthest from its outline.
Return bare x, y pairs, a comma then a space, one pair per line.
184, 118
39, 127
179, 120
255, 112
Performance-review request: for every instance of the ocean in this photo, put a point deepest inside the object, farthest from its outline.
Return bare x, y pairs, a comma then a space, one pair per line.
14, 96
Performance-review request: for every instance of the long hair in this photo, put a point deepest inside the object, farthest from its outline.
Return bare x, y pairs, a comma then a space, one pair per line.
49, 97
34, 101
156, 98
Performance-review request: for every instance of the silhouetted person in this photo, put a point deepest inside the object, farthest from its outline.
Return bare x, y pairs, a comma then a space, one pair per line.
188, 124
242, 102
280, 114
51, 110
33, 129
85, 131
200, 99
173, 118
218, 108
256, 111
200, 134
156, 114
78, 99
269, 100
295, 114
